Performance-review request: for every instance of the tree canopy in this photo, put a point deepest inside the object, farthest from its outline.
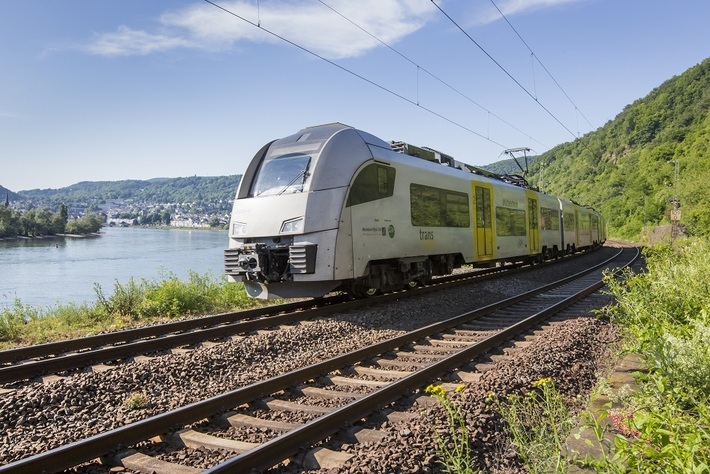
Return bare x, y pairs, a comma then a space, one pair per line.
627, 168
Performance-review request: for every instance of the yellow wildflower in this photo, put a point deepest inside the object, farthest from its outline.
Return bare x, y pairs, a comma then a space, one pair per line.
437, 390
542, 382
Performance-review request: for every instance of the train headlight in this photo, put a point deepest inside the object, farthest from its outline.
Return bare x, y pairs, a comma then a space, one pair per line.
292, 225
238, 228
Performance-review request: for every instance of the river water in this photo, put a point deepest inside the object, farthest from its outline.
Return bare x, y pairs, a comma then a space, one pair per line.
46, 272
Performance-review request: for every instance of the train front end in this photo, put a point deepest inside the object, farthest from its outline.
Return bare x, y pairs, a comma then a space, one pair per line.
285, 218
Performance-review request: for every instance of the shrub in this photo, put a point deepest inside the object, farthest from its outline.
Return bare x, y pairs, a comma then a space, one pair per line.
665, 314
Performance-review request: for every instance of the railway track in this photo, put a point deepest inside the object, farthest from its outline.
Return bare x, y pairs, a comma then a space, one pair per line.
381, 374
26, 363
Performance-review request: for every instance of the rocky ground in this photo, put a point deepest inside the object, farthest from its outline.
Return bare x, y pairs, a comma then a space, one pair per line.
41, 416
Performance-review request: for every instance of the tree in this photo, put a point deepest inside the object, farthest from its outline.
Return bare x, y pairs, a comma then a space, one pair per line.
9, 222
60, 219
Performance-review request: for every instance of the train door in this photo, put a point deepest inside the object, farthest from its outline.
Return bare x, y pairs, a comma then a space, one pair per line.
533, 225
484, 222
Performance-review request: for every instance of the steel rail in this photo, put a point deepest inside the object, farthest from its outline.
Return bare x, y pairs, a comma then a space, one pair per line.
122, 336
149, 339
286, 445
99, 340
77, 452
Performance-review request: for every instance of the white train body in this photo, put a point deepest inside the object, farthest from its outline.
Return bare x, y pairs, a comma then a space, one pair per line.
332, 207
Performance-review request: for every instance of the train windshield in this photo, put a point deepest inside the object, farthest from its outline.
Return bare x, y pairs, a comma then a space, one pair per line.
282, 174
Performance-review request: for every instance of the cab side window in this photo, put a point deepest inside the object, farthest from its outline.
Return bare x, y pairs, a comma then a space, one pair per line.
374, 182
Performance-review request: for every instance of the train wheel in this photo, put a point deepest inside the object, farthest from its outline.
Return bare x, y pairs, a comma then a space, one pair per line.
362, 291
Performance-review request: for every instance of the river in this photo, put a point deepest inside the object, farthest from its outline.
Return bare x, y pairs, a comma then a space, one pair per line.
44, 272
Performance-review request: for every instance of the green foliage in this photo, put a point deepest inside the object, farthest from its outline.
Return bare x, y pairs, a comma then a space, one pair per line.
131, 302
87, 224
666, 315
510, 166
538, 423
198, 190
626, 168
171, 297
13, 319
33, 222
9, 222
136, 401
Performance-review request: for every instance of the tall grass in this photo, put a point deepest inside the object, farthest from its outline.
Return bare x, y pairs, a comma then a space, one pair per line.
666, 315
538, 423
453, 446
131, 303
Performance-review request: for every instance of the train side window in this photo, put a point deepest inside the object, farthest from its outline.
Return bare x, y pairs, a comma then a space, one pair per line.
569, 221
584, 224
532, 209
374, 182
483, 208
550, 218
436, 207
510, 222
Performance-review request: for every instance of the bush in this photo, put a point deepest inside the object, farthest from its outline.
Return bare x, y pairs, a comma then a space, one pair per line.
14, 319
665, 314
135, 300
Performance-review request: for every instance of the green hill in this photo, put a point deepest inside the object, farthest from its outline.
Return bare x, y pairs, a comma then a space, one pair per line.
510, 166
194, 189
7, 194
627, 168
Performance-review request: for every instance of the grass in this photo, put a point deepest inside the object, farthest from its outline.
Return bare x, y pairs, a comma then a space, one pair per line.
132, 303
453, 446
664, 426
665, 314
538, 423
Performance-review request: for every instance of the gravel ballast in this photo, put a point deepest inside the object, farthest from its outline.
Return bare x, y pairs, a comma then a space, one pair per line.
40, 416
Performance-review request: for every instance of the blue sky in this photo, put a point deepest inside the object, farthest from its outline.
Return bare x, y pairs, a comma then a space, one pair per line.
137, 89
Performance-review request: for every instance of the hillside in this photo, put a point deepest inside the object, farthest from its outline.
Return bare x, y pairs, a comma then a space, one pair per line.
509, 166
627, 168
7, 194
194, 189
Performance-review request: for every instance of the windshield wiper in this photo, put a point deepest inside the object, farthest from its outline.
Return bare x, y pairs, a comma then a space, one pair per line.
304, 173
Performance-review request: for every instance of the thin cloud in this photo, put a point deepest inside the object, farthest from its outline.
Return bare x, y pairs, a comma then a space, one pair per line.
514, 7
128, 42
309, 24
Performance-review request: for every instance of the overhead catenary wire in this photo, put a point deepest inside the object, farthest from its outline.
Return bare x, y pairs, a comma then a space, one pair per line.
502, 68
431, 74
353, 73
537, 58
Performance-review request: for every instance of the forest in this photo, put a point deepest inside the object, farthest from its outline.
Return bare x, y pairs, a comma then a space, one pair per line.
656, 149
193, 189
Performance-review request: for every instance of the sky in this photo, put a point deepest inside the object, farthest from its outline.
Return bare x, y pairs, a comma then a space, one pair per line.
135, 89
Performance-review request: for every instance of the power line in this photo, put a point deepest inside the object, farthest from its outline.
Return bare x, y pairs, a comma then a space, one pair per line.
541, 64
359, 76
420, 68
502, 68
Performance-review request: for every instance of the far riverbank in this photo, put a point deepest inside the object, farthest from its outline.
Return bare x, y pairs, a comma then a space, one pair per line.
46, 271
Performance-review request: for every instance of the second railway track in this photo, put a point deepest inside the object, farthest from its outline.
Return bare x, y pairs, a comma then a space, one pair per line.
25, 363
409, 361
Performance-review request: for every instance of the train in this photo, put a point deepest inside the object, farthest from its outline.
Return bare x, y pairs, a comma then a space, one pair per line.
334, 208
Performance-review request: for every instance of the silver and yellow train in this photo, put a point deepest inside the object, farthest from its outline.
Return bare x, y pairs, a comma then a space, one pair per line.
336, 208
